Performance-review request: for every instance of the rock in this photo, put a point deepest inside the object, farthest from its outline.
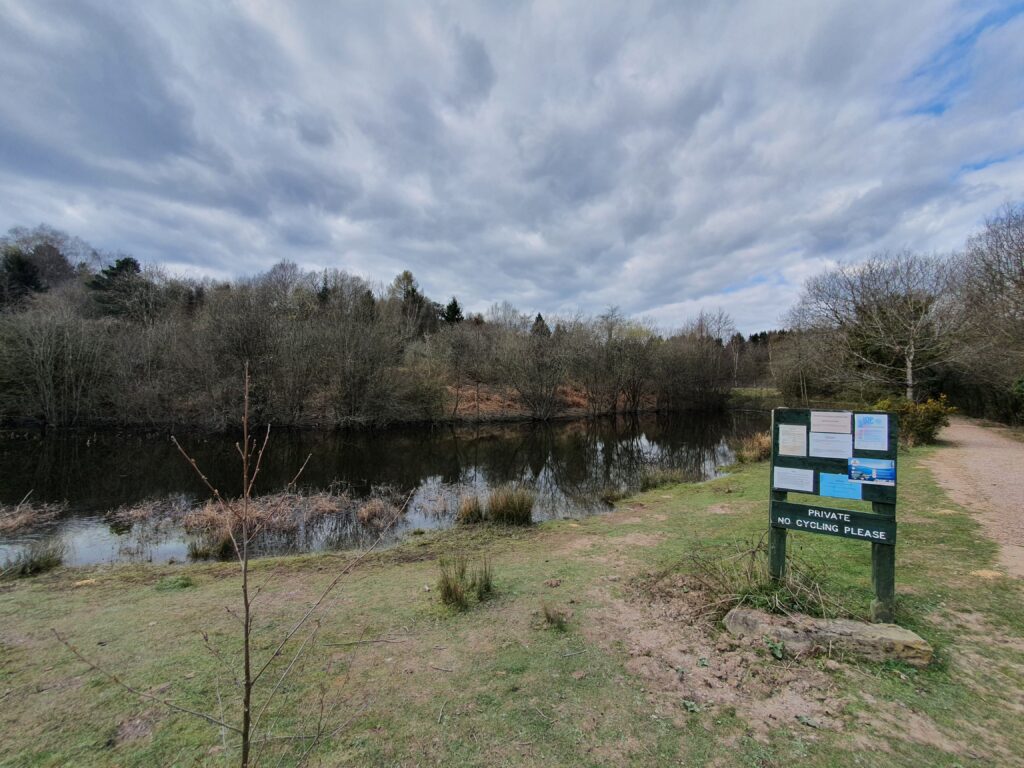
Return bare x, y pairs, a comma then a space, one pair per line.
804, 634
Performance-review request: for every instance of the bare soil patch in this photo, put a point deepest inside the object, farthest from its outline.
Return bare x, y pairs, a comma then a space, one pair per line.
688, 665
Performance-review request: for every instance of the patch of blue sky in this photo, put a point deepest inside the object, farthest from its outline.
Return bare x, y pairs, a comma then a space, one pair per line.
934, 86
980, 165
750, 282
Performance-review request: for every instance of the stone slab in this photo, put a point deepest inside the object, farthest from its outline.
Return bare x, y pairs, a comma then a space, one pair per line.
808, 635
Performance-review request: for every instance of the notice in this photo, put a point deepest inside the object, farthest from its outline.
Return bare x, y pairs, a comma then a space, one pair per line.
872, 471
792, 440
838, 486
831, 421
831, 445
871, 432
787, 479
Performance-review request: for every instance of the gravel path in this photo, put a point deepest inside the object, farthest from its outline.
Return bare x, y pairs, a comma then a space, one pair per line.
983, 471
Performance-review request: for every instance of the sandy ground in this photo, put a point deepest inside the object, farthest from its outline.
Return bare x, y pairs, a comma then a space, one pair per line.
983, 471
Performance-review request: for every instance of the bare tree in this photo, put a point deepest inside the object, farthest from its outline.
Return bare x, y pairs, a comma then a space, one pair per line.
894, 319
242, 523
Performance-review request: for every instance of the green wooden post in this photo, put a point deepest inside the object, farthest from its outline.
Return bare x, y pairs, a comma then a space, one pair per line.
883, 572
777, 545
883, 579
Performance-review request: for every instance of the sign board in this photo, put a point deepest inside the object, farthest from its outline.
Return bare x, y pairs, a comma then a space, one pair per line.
839, 455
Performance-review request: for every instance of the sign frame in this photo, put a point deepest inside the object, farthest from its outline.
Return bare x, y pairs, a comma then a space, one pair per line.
877, 527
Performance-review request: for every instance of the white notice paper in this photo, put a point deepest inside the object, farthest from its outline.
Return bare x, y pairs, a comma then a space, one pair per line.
792, 440
794, 479
871, 431
830, 421
830, 445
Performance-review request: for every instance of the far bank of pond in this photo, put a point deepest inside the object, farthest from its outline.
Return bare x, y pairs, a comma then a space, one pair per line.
573, 466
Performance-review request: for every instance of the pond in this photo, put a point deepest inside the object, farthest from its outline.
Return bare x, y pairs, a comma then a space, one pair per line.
100, 479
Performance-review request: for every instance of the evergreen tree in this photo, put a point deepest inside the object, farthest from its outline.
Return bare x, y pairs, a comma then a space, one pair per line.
452, 313
540, 328
19, 277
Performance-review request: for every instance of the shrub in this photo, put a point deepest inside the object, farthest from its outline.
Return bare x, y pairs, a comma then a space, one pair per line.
37, 557
511, 505
919, 422
471, 510
754, 448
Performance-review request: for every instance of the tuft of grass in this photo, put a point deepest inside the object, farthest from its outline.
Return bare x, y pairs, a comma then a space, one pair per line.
611, 494
377, 512
213, 546
175, 583
471, 511
511, 505
452, 584
455, 583
742, 577
554, 617
483, 581
754, 448
658, 477
39, 556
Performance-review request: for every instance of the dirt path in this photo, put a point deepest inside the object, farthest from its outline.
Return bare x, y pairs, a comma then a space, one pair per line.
984, 471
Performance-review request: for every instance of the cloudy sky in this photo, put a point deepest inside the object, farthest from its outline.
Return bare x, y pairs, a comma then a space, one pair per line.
662, 157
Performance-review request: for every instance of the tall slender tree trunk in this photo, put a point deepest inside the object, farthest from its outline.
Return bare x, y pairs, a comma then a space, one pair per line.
909, 360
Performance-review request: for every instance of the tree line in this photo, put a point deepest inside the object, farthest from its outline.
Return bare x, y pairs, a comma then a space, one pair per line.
92, 339
88, 339
916, 325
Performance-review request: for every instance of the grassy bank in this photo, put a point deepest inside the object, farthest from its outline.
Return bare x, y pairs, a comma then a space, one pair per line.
629, 680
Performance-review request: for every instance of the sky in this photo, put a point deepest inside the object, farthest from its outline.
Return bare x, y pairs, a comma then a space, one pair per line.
662, 157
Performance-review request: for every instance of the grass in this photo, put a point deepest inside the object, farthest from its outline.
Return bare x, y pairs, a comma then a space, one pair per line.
660, 477
754, 448
39, 556
493, 685
455, 584
554, 617
452, 584
511, 505
471, 511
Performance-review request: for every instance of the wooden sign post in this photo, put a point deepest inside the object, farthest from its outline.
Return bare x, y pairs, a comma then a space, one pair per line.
843, 455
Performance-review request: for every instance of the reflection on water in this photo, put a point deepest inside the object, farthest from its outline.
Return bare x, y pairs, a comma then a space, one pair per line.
569, 464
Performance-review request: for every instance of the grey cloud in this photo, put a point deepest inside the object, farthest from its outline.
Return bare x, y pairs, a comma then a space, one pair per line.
655, 156
474, 72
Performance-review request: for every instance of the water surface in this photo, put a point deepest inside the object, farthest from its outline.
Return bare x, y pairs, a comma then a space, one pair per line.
569, 464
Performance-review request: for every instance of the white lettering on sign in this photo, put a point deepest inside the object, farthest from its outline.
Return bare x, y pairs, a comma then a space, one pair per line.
814, 525
829, 514
865, 533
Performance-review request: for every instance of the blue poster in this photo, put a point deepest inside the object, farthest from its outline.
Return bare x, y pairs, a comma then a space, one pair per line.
873, 471
839, 486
